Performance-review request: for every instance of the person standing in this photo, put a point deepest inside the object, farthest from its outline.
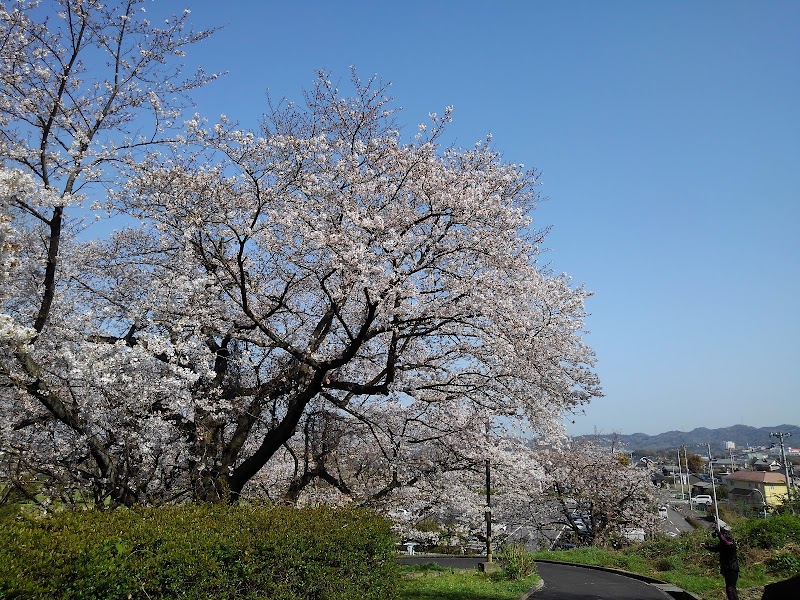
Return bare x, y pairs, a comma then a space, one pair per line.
728, 561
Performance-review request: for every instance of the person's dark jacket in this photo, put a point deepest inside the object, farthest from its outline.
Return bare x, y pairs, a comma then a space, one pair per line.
726, 546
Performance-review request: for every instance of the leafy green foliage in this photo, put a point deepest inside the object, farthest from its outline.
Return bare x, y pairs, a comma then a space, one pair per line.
785, 563
199, 552
516, 561
789, 506
773, 533
694, 522
668, 563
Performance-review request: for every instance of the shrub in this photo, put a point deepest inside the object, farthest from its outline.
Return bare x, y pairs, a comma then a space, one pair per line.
789, 506
785, 563
772, 533
694, 522
516, 561
668, 563
199, 551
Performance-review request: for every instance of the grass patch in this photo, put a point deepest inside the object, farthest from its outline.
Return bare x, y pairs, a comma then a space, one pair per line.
430, 567
454, 584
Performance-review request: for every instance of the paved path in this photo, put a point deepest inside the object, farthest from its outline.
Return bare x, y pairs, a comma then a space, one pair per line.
566, 582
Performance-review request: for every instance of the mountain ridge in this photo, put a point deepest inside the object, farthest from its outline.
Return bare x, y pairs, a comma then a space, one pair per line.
741, 435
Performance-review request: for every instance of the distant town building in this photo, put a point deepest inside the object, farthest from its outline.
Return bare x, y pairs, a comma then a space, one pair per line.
730, 446
756, 487
727, 464
764, 464
701, 487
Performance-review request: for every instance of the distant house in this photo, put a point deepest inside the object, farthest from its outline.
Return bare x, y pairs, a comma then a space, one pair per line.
727, 464
659, 479
755, 487
766, 465
702, 487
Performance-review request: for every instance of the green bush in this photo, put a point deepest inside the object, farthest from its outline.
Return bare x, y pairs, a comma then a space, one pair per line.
668, 563
516, 561
199, 552
694, 522
767, 534
785, 563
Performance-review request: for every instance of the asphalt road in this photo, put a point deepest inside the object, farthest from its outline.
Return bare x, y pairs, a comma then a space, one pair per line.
566, 582
677, 511
675, 523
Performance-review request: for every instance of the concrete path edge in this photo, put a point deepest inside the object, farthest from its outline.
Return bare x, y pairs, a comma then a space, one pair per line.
530, 593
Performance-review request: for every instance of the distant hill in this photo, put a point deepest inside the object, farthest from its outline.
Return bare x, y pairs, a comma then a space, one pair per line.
742, 435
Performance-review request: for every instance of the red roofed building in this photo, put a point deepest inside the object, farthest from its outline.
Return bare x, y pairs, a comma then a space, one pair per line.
756, 487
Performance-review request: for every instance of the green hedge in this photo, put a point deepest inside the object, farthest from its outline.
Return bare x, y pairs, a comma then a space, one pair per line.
199, 552
773, 533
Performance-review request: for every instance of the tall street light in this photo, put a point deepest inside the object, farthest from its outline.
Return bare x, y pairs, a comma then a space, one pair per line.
780, 435
713, 486
763, 501
688, 483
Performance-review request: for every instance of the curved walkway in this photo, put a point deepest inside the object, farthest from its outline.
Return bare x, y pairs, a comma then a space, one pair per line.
571, 582
566, 582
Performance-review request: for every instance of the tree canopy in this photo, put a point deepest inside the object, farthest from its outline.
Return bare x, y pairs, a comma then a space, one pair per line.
322, 279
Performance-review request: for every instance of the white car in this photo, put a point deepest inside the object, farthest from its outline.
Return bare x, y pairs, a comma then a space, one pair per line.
662, 512
702, 499
634, 534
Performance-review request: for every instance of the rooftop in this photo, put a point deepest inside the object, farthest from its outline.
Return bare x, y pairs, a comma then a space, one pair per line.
758, 476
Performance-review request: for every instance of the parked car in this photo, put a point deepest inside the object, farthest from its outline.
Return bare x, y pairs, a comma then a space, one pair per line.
704, 499
662, 512
579, 525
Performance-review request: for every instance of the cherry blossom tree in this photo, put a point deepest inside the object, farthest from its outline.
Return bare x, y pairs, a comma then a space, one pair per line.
595, 494
284, 294
324, 261
424, 470
366, 458
84, 85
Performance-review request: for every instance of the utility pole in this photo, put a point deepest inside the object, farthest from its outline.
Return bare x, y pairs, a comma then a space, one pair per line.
680, 473
780, 435
688, 483
488, 512
488, 566
713, 486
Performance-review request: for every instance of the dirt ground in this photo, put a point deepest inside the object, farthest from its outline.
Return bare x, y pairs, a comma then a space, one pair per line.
753, 593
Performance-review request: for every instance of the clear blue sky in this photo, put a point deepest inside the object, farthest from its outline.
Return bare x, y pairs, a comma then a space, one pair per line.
668, 134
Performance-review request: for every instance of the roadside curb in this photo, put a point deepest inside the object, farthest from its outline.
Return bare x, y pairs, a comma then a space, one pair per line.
529, 594
668, 588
